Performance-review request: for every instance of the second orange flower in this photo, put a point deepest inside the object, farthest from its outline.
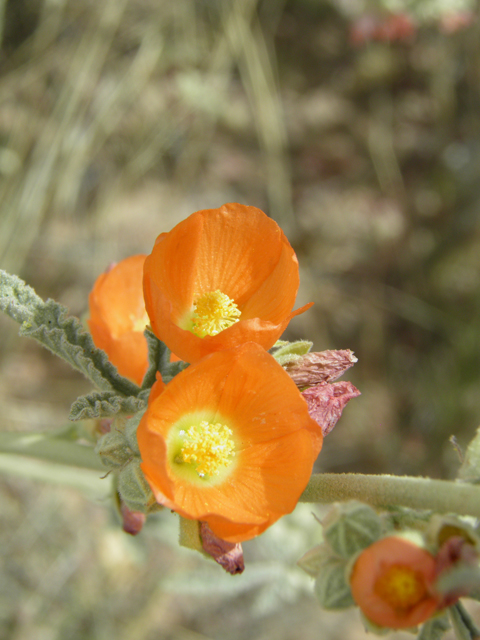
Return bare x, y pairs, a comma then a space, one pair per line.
229, 442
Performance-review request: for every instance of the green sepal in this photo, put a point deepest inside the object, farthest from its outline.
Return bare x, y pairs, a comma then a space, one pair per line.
434, 629
442, 527
133, 488
351, 527
331, 586
290, 351
470, 469
130, 432
312, 561
399, 518
48, 323
189, 535
462, 624
460, 579
104, 404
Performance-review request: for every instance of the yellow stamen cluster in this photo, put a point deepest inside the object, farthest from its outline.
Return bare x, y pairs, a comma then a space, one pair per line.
402, 587
208, 446
213, 312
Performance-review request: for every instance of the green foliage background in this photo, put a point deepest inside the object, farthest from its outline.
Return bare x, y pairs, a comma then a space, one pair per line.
120, 118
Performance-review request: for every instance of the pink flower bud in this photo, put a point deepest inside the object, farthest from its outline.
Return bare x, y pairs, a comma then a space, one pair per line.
326, 402
229, 555
133, 521
323, 366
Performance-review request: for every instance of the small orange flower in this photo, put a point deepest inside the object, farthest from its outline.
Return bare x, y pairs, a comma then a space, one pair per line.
392, 583
221, 278
118, 317
229, 442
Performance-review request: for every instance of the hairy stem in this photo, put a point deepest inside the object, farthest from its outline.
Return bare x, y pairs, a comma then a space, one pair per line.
442, 496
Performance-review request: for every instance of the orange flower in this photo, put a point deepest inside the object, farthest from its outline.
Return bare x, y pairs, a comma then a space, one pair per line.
392, 583
118, 317
229, 442
221, 278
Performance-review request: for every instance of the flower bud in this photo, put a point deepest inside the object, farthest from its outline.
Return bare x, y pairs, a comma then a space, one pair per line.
392, 581
133, 521
317, 367
113, 449
327, 401
228, 555
134, 490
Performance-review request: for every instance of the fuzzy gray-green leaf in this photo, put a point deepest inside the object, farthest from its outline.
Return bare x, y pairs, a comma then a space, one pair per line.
48, 323
331, 586
17, 299
312, 561
351, 527
104, 404
158, 356
159, 359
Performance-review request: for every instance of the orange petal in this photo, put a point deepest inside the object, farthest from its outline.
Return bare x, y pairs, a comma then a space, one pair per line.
260, 415
129, 353
171, 267
117, 297
284, 277
116, 309
240, 247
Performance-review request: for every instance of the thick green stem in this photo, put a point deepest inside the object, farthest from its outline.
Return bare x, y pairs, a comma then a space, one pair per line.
442, 496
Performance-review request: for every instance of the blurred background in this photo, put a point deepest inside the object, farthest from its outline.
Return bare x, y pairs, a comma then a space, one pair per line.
355, 125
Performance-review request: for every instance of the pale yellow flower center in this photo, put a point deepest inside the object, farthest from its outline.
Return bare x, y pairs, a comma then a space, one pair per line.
207, 446
401, 587
139, 323
213, 312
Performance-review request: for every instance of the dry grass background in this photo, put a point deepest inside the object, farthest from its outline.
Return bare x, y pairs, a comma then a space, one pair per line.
120, 118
